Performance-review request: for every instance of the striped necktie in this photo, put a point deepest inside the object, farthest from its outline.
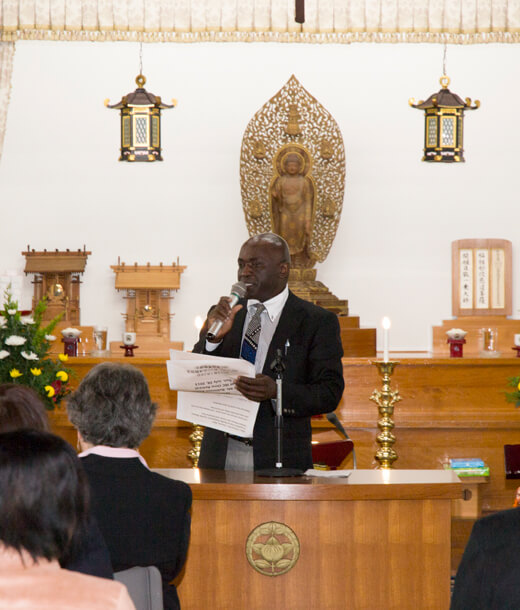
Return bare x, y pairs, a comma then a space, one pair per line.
250, 342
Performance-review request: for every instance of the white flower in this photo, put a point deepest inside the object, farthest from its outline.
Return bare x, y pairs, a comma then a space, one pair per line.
15, 340
11, 312
3, 321
30, 355
50, 338
3, 354
27, 320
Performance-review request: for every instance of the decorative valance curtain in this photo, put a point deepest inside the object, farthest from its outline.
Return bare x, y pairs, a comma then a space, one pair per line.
326, 21
6, 68
335, 21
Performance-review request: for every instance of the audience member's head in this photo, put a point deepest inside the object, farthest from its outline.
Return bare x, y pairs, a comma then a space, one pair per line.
43, 494
21, 407
112, 406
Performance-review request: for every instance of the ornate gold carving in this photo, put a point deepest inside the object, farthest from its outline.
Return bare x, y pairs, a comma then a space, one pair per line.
326, 150
196, 440
272, 548
293, 127
328, 208
259, 150
294, 121
256, 209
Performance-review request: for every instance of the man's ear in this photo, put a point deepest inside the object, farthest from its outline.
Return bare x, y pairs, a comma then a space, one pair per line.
284, 270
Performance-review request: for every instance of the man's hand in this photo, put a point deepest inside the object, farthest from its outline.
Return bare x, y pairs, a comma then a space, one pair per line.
222, 311
259, 388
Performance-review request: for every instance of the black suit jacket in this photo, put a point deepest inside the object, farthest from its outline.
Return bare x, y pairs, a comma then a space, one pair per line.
488, 577
143, 516
312, 384
91, 555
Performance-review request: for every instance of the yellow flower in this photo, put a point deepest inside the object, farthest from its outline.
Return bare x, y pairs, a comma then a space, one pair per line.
62, 376
36, 372
518, 386
50, 391
63, 357
15, 373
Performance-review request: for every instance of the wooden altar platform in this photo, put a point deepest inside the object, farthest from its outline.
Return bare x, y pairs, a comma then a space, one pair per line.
379, 539
451, 407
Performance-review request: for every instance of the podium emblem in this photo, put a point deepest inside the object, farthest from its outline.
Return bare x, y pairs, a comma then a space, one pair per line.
272, 548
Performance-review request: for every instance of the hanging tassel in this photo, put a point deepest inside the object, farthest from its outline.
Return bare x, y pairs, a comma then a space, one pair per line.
300, 11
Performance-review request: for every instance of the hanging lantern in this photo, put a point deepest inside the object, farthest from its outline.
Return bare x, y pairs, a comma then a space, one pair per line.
444, 124
140, 124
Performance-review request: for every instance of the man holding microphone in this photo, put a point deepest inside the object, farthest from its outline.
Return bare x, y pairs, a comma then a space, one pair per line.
272, 318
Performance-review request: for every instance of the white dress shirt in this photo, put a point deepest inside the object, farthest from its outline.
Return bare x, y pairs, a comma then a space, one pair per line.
269, 320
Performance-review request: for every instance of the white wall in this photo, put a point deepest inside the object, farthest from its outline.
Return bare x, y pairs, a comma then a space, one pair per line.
61, 185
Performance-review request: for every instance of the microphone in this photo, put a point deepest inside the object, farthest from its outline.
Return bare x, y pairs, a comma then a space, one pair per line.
238, 291
333, 419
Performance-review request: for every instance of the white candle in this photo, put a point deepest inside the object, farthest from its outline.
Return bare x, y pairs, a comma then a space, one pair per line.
386, 326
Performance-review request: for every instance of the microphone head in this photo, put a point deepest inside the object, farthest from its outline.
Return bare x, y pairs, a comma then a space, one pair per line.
240, 289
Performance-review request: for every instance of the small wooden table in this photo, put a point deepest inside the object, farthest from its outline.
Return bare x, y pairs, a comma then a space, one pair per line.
379, 539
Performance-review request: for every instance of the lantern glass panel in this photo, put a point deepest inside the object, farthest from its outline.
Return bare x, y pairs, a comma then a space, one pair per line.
125, 134
141, 131
460, 131
155, 131
431, 131
448, 130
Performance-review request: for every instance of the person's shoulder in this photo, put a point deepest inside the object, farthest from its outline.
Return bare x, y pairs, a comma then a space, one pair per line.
85, 589
180, 488
498, 529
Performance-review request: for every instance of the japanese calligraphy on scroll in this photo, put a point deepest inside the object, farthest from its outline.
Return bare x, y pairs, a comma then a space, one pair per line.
481, 282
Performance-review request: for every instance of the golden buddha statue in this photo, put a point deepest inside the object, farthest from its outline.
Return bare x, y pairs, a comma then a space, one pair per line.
292, 205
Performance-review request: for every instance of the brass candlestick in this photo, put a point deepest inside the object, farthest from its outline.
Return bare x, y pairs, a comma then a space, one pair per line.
385, 401
196, 440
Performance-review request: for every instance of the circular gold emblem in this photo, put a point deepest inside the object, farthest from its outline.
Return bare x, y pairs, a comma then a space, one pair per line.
272, 548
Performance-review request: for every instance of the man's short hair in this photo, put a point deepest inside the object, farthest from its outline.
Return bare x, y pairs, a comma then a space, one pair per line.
112, 406
43, 494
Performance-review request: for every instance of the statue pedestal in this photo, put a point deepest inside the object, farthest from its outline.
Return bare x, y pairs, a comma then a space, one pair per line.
357, 342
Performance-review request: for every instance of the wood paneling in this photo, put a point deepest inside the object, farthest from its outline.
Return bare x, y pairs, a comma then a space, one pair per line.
506, 328
355, 553
450, 408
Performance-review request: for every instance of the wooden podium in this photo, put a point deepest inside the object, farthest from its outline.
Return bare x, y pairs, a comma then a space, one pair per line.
379, 539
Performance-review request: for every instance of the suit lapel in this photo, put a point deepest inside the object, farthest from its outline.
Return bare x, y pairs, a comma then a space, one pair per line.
287, 327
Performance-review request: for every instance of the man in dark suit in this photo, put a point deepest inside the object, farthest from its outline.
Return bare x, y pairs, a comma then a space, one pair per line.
309, 338
143, 516
488, 577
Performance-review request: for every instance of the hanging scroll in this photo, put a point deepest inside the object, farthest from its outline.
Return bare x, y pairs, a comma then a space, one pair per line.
481, 277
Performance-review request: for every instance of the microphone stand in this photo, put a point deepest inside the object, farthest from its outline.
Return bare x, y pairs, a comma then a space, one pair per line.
278, 367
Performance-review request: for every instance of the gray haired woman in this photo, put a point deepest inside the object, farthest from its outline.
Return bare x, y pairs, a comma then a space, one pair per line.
144, 517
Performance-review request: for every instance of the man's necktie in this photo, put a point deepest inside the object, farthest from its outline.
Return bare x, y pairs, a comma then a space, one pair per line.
250, 342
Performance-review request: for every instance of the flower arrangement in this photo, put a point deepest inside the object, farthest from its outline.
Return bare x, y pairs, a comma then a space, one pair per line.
514, 382
24, 353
